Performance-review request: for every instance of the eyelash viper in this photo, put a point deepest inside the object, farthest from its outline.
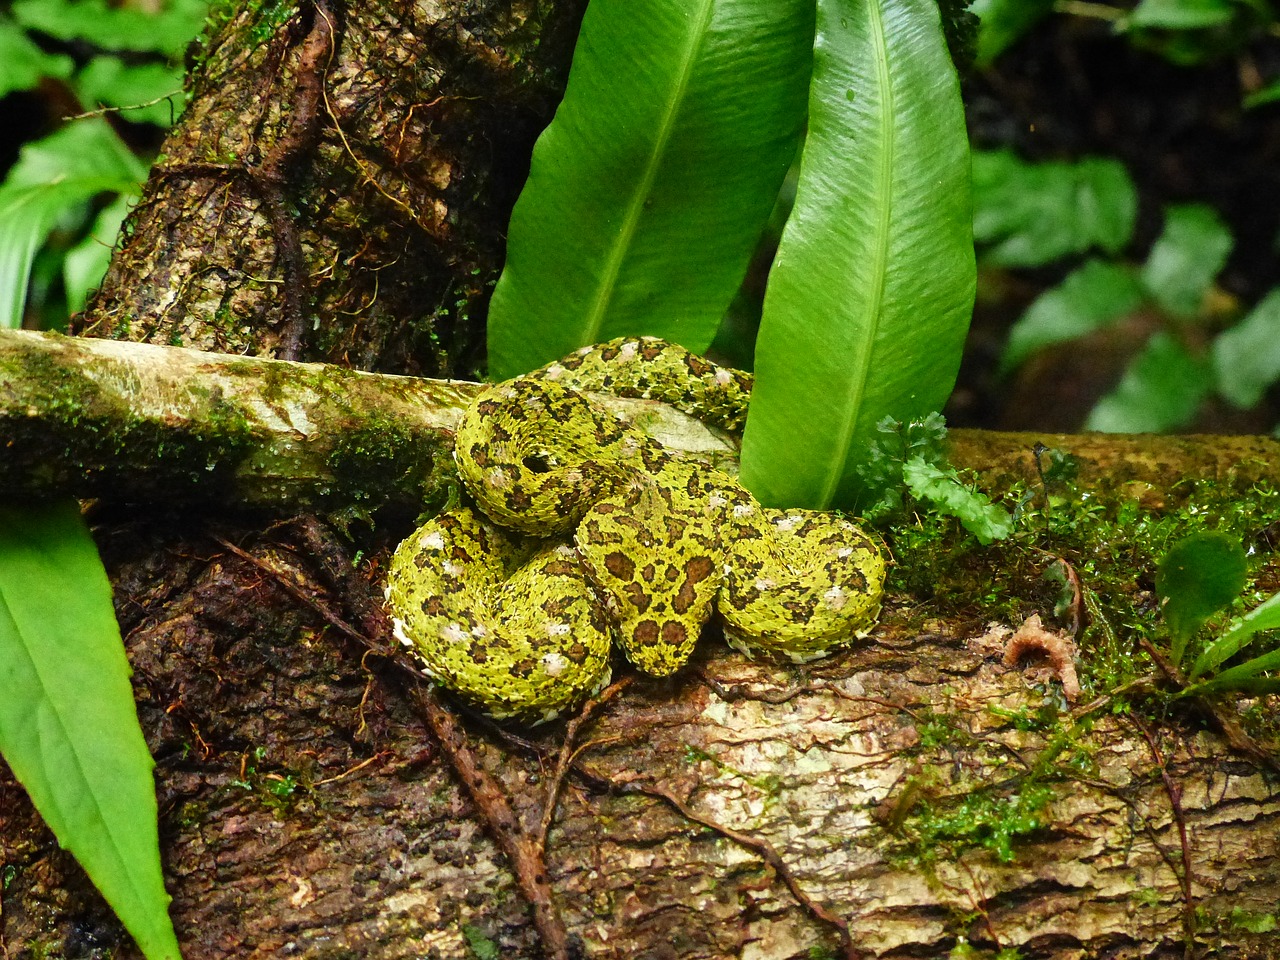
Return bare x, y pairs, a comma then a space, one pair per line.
585, 532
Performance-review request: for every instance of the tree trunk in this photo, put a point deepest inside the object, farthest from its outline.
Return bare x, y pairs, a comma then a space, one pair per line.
915, 791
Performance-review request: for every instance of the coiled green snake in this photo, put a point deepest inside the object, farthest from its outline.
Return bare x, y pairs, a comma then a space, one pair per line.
583, 533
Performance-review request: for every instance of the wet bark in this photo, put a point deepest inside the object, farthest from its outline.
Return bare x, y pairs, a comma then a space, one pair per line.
306, 811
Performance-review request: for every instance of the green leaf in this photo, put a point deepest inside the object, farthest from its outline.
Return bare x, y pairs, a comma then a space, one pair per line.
109, 81
1242, 677
482, 947
111, 27
1268, 94
651, 186
68, 725
86, 263
1180, 14
22, 63
1199, 575
870, 295
1035, 213
1003, 22
1161, 390
952, 496
52, 178
1092, 297
1239, 633
1246, 358
1186, 257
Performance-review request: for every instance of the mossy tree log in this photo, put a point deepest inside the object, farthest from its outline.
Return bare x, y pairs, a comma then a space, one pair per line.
305, 810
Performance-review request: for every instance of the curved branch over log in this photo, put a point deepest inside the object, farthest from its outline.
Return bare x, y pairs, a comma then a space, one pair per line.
95, 418
135, 422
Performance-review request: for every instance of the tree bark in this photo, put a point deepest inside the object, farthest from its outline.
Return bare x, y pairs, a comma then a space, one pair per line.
733, 810
339, 186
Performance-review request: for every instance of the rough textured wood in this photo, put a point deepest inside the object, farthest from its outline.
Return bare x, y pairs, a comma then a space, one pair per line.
369, 848
144, 423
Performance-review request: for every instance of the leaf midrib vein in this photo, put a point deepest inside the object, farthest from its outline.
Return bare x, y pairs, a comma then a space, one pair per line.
635, 206
883, 186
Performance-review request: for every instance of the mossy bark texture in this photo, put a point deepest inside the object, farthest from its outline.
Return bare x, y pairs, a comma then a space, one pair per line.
337, 192
339, 186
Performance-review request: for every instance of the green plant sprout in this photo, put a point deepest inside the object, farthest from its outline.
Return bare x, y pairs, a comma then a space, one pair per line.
1201, 575
909, 460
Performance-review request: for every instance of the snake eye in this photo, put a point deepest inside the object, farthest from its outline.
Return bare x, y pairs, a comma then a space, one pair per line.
536, 463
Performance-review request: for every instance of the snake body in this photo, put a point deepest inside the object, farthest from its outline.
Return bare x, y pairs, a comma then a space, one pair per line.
585, 532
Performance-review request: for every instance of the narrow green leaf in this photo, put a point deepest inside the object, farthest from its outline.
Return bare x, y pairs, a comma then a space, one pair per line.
22, 63
1268, 94
1003, 22
116, 27
68, 725
1250, 686
950, 495
1244, 676
1239, 633
648, 191
1246, 358
1199, 575
1161, 390
1180, 14
1092, 297
53, 177
1034, 213
1186, 257
870, 295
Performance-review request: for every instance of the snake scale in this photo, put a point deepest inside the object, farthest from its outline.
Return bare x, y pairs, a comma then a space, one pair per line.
582, 533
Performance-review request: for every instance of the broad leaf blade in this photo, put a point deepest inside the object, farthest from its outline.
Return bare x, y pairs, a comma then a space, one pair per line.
1161, 390
648, 191
1034, 213
1186, 257
52, 178
1199, 575
1088, 299
1246, 358
68, 725
146, 93
1239, 633
164, 27
1003, 22
23, 63
870, 296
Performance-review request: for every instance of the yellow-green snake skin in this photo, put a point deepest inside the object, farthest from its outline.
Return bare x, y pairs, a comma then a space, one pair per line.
585, 532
